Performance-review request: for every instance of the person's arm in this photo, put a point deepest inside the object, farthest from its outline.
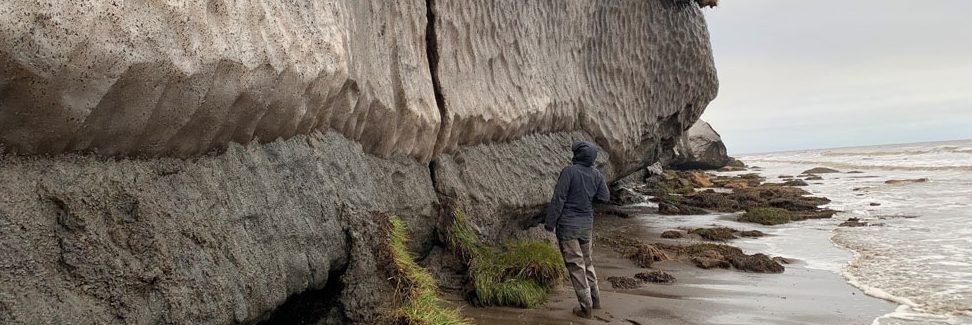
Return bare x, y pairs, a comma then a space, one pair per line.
556, 207
603, 193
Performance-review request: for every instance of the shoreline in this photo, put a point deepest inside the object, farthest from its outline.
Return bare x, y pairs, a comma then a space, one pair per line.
799, 295
807, 291
900, 203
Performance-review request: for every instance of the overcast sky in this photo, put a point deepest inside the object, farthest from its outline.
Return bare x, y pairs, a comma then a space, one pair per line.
835, 73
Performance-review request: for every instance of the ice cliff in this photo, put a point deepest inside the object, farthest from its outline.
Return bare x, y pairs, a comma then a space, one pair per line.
189, 161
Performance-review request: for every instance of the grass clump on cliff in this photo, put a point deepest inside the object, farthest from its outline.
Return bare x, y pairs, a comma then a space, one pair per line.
518, 274
766, 216
422, 304
462, 240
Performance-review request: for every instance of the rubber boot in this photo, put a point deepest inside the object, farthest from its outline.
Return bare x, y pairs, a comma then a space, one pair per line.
584, 298
595, 296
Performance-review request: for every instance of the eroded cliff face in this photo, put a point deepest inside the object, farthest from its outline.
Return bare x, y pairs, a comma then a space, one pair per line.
632, 74
215, 239
202, 161
161, 78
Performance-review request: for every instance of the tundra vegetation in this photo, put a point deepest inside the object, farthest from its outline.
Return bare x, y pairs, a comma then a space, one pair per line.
517, 274
421, 304
680, 193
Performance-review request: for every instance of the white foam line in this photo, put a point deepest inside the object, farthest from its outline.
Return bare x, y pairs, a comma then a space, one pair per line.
868, 290
907, 309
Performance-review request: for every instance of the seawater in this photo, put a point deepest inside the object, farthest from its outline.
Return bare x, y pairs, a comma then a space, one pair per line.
919, 254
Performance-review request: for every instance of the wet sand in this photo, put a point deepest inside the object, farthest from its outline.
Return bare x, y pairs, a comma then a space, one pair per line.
800, 295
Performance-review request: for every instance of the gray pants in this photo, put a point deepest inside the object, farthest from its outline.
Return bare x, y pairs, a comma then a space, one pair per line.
580, 266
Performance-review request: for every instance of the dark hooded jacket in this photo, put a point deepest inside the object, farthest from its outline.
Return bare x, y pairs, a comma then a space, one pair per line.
571, 210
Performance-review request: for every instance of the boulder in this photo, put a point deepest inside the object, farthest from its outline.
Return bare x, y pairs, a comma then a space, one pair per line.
700, 147
733, 162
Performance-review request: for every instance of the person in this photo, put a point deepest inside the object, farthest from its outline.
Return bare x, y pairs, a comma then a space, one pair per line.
571, 215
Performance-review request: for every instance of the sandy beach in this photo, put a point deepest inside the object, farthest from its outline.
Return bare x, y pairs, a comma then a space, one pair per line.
800, 295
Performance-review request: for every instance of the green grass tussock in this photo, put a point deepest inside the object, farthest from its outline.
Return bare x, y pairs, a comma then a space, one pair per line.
535, 260
767, 216
495, 288
462, 240
422, 304
518, 274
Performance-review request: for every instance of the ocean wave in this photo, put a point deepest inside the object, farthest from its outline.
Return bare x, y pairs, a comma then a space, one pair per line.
909, 310
902, 152
854, 281
846, 165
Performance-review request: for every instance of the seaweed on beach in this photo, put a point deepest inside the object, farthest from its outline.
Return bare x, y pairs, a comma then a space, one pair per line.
622, 282
766, 216
656, 276
641, 253
715, 233
708, 255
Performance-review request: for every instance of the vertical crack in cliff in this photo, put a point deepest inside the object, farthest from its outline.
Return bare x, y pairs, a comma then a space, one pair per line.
433, 165
432, 54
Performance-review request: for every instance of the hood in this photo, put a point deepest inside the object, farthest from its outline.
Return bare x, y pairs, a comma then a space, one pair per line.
585, 153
